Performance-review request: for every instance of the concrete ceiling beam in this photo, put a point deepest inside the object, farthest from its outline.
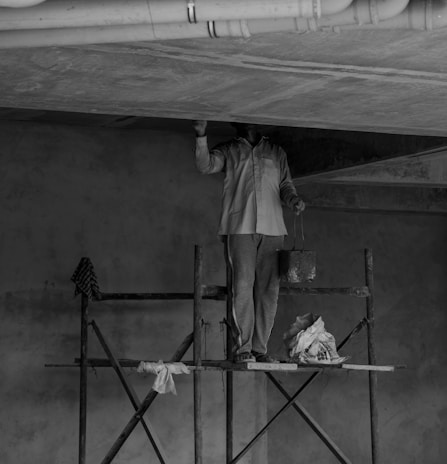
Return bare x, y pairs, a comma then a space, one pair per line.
364, 198
428, 168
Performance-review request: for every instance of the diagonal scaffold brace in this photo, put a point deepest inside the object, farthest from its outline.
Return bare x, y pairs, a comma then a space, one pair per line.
144, 406
292, 401
133, 397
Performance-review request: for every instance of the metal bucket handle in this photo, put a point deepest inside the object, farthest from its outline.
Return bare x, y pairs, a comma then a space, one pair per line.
297, 266
302, 231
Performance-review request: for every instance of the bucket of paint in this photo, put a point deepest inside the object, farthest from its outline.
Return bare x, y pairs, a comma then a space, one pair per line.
297, 265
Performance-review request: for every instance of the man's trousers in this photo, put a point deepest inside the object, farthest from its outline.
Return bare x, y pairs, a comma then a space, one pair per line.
253, 265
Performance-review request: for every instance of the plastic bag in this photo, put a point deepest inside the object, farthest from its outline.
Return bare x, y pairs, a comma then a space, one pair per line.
308, 342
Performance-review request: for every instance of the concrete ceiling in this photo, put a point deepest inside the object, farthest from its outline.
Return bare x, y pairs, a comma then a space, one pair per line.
372, 81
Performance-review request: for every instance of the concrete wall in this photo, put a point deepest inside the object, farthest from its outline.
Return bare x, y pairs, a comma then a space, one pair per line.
410, 268
133, 202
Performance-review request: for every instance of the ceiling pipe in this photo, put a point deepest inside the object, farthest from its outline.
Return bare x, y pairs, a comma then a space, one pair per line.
330, 8
120, 34
54, 14
422, 15
365, 12
357, 14
415, 18
19, 3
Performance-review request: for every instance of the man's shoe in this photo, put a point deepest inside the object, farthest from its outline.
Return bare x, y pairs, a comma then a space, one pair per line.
265, 358
244, 358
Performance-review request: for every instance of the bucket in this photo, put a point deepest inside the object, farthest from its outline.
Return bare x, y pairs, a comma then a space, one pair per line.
297, 266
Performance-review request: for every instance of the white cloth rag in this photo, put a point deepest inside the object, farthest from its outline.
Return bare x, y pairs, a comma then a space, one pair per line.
164, 383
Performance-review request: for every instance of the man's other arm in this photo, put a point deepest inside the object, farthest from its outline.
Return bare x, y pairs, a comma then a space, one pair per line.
287, 190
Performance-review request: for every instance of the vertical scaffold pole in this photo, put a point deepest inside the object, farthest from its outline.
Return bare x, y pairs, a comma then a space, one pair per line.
198, 265
229, 373
83, 379
372, 357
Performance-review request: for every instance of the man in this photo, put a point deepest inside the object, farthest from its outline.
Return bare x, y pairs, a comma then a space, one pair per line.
257, 179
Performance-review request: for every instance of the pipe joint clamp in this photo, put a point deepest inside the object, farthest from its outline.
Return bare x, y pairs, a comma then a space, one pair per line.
373, 12
316, 9
212, 29
191, 11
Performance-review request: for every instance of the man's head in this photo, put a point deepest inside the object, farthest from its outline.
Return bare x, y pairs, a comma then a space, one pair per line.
247, 131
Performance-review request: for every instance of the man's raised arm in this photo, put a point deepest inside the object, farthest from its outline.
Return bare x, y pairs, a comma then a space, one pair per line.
207, 162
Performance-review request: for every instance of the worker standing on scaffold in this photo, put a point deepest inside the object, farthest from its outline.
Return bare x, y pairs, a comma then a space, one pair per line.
257, 179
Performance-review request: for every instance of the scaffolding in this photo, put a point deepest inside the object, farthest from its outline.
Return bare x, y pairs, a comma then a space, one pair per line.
200, 293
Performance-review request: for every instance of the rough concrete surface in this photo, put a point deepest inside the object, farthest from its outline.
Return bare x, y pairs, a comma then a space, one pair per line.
391, 81
133, 202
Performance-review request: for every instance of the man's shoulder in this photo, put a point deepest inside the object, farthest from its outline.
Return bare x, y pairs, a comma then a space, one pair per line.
227, 143
270, 145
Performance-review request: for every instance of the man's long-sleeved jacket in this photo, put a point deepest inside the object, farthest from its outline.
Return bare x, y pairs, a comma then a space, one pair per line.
257, 179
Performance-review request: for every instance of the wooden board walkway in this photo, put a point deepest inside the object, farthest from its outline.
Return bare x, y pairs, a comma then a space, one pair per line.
249, 366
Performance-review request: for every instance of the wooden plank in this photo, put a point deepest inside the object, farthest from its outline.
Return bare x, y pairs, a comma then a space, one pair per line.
258, 366
228, 366
240, 367
370, 367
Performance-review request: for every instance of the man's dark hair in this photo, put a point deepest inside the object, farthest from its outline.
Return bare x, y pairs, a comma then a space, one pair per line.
240, 127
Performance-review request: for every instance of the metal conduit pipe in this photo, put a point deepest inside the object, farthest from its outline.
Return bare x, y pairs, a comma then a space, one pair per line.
365, 12
357, 14
19, 3
420, 15
88, 13
120, 34
100, 35
330, 8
